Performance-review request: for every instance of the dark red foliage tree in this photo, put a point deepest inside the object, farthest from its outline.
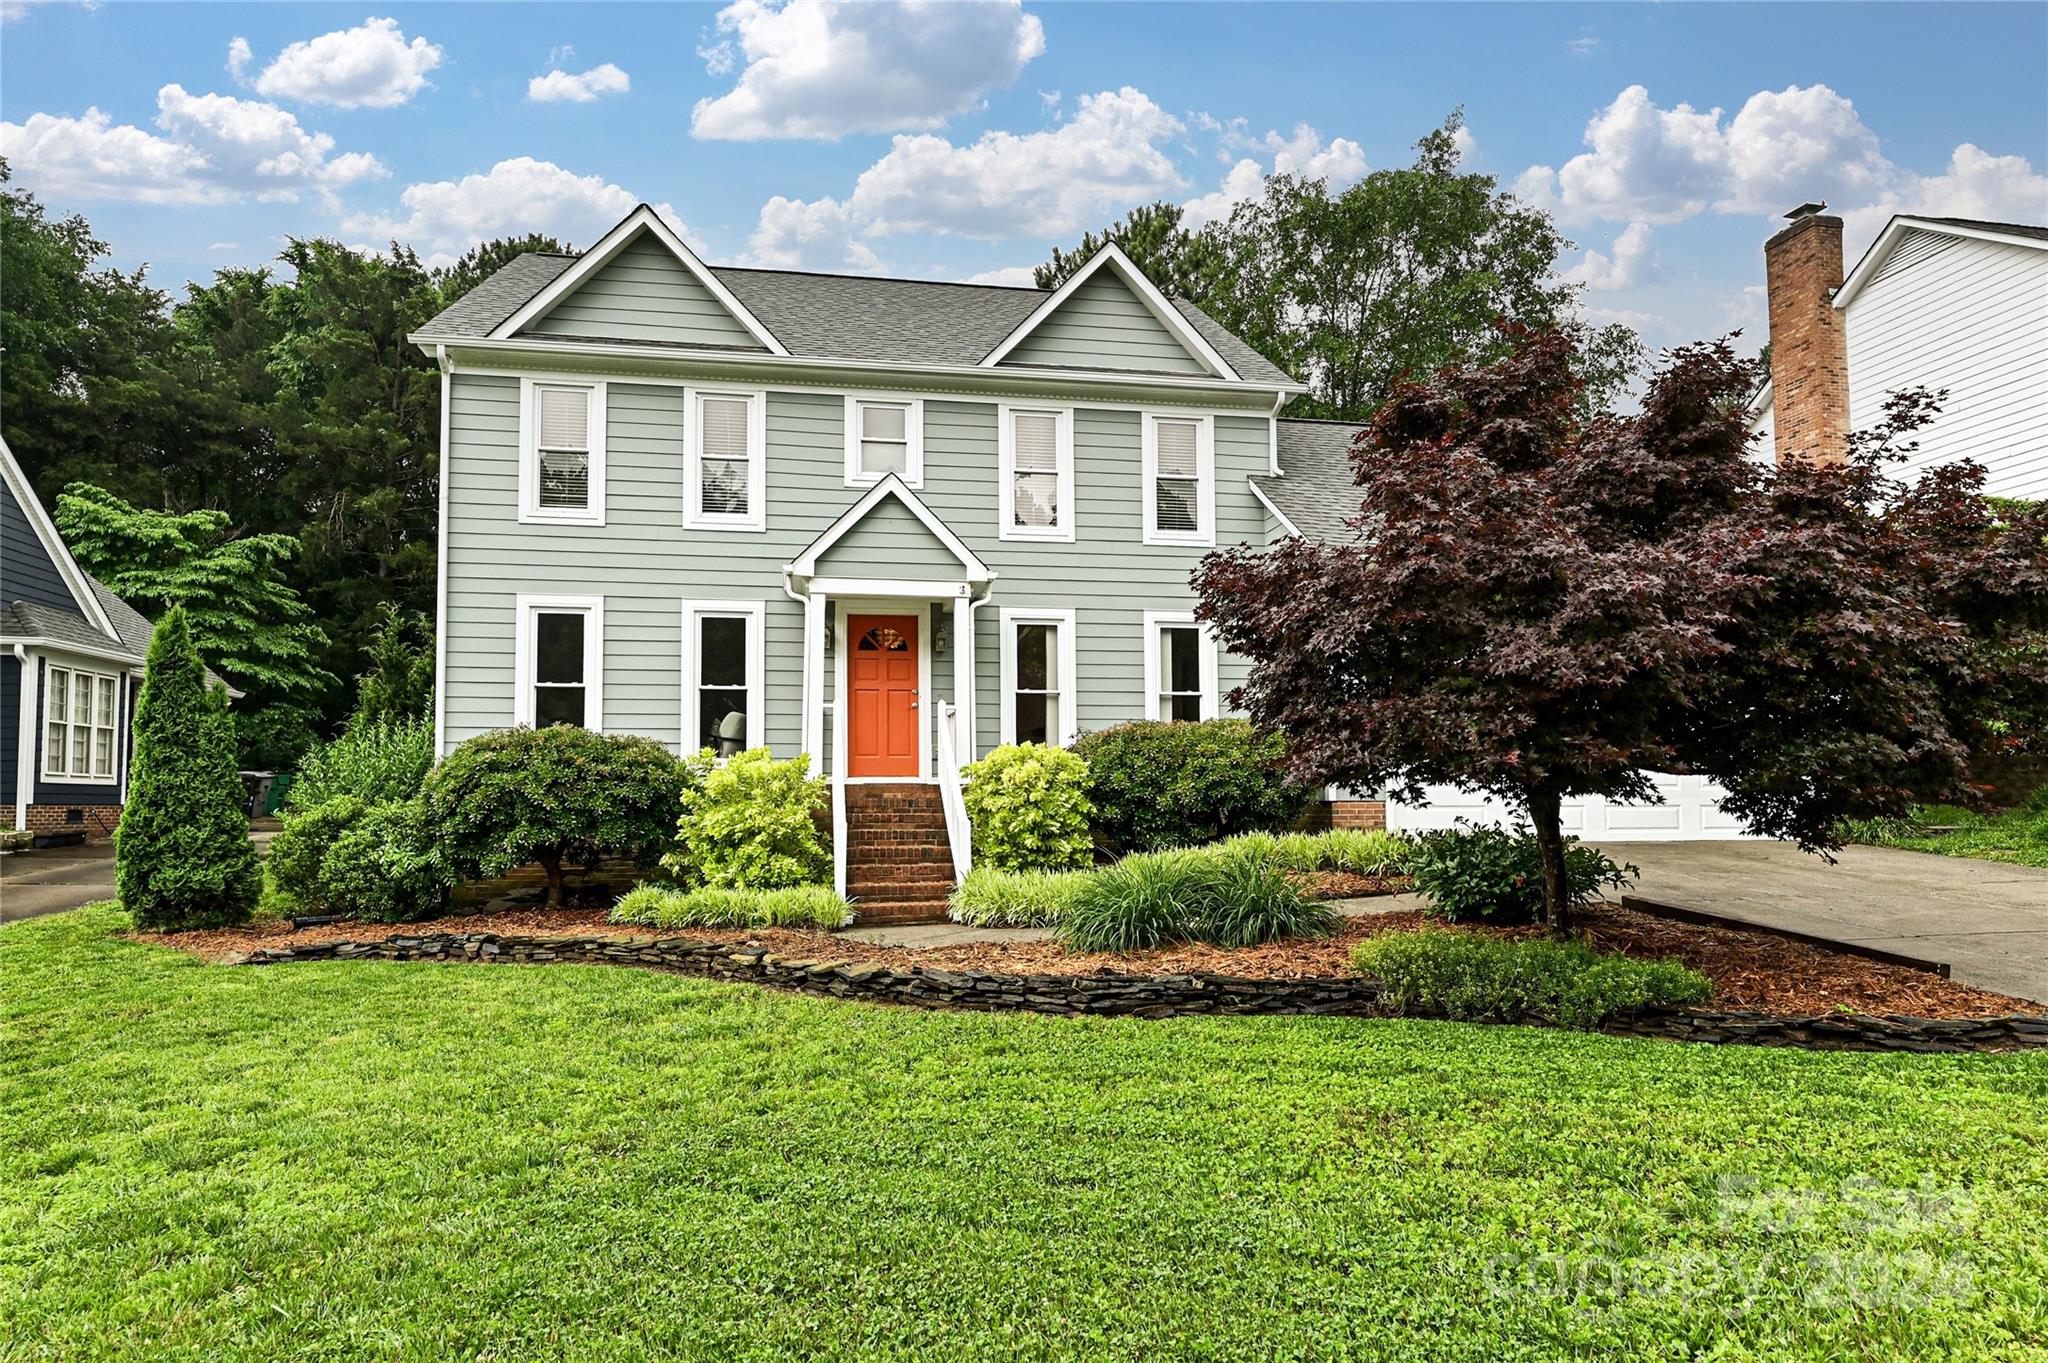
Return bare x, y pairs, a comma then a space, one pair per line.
1541, 606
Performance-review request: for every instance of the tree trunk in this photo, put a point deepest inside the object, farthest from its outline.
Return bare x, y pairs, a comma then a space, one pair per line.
551, 862
1557, 900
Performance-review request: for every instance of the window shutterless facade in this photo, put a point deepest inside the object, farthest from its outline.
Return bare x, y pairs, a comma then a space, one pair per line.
80, 725
884, 435
559, 668
1180, 668
725, 460
1180, 480
561, 452
1035, 448
1040, 703
722, 680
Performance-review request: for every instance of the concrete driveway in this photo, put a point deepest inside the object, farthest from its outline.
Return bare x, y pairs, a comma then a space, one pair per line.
54, 879
1987, 919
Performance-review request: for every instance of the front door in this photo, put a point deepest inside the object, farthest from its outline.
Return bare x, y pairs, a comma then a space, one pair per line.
881, 739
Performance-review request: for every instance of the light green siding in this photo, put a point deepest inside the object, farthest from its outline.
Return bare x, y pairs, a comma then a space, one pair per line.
645, 564
1105, 326
645, 294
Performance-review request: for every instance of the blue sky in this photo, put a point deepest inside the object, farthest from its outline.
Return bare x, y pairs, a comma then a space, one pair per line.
960, 140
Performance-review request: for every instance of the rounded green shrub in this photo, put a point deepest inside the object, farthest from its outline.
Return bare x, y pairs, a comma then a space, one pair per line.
1028, 805
1157, 785
1467, 975
1188, 895
385, 866
552, 796
1486, 873
299, 848
182, 855
751, 824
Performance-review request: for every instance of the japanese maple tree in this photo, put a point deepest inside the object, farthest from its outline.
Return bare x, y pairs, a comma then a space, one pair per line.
1540, 605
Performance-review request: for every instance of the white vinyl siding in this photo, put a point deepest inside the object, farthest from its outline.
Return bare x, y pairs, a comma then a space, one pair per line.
1036, 462
726, 461
883, 436
1179, 478
80, 725
561, 442
1104, 325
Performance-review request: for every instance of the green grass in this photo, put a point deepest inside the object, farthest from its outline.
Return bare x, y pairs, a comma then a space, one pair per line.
2017, 835
397, 1162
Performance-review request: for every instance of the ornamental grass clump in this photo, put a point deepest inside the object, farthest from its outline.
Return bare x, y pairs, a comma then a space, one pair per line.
989, 898
1469, 976
1352, 850
1151, 899
798, 906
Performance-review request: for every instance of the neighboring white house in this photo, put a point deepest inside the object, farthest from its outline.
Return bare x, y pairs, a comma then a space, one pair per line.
1944, 303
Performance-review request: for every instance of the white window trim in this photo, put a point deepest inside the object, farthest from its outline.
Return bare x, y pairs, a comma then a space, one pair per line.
913, 430
755, 614
756, 519
1009, 618
531, 512
1006, 446
1205, 481
526, 608
1158, 620
42, 735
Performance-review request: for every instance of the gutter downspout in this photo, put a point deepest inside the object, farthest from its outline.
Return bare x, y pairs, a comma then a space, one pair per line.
1273, 433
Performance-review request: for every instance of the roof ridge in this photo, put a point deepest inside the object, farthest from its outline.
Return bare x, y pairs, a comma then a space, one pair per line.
880, 278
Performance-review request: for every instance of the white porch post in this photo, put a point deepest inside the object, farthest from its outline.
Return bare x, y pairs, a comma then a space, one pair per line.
963, 676
814, 681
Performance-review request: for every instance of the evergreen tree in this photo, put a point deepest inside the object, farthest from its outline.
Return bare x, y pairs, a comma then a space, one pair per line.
182, 855
399, 683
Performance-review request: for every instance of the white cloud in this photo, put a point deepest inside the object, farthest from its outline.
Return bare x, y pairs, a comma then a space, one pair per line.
818, 235
826, 68
1975, 184
557, 86
443, 218
1466, 143
1585, 45
1786, 146
214, 149
1634, 262
369, 66
1646, 164
1303, 152
1009, 276
223, 246
239, 57
11, 10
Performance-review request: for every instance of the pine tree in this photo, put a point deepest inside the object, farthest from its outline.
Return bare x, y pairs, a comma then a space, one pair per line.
182, 855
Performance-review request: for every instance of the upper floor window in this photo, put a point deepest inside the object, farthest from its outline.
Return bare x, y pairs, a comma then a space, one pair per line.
1180, 668
884, 436
725, 466
722, 676
1038, 699
1036, 448
561, 460
559, 671
1180, 480
79, 733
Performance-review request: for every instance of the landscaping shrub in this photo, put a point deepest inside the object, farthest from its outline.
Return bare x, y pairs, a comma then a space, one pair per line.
1351, 850
385, 866
796, 906
1156, 785
989, 898
1188, 895
1495, 874
554, 795
1029, 807
376, 760
1470, 976
182, 855
751, 825
300, 847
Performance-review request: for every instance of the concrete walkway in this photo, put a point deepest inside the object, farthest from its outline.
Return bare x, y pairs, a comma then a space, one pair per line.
1987, 919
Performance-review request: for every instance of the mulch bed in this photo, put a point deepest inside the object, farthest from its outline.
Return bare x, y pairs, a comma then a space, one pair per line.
1751, 971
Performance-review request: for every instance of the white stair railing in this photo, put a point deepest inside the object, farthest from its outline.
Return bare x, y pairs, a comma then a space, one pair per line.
959, 833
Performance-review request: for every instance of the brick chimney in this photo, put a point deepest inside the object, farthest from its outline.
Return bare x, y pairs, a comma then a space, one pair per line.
1809, 353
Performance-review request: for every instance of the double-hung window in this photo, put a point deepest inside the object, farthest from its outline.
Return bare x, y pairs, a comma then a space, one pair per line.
725, 460
559, 671
884, 435
561, 452
79, 733
1036, 449
722, 676
1180, 480
1180, 668
1039, 700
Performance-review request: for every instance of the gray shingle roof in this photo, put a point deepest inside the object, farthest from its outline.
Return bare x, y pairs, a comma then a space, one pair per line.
33, 620
2018, 229
842, 317
1315, 490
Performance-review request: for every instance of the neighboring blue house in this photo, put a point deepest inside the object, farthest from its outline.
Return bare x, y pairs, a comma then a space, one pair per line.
71, 655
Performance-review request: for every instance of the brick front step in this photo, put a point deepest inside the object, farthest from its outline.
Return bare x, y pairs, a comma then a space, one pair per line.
875, 912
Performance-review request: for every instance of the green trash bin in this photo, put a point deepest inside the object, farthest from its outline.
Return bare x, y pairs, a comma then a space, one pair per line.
273, 799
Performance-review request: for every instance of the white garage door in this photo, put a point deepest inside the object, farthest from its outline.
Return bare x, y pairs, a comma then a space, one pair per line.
1691, 812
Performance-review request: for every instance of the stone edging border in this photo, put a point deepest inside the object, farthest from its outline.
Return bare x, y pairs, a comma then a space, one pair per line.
1144, 996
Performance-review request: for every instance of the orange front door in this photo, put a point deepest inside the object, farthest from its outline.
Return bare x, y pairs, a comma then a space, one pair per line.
881, 669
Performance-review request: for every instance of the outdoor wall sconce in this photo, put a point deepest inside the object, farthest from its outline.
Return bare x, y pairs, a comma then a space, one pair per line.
942, 626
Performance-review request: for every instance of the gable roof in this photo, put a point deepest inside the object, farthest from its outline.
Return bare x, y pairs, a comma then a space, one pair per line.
641, 222
1111, 259
805, 564
1895, 231
90, 607
1314, 495
863, 318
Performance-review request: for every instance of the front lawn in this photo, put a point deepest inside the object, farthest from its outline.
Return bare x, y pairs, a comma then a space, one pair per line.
2016, 835
369, 1160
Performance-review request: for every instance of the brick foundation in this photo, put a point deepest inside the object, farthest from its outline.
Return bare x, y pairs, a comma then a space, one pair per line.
1364, 815
97, 822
